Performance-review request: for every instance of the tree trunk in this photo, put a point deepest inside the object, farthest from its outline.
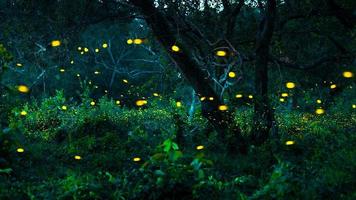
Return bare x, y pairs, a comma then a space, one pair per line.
197, 78
263, 115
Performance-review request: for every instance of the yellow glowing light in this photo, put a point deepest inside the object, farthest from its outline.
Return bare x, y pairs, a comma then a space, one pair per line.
92, 103
290, 142
64, 107
96, 87
290, 85
97, 50
318, 101
19, 64
347, 74
78, 75
82, 52
23, 88
62, 70
129, 41
117, 102
223, 107
155, 94
138, 41
221, 53
284, 94
319, 111
202, 98
211, 98
79, 48
55, 43
141, 102
232, 74
105, 45
96, 72
239, 96
20, 150
136, 159
72, 62
77, 157
175, 48
125, 81
281, 99
23, 113
179, 104
200, 147
86, 49
333, 86
353, 105
250, 96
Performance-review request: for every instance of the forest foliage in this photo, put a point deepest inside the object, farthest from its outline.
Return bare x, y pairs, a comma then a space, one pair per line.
130, 99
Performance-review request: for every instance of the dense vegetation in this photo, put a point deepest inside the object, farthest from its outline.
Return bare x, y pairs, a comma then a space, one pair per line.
131, 99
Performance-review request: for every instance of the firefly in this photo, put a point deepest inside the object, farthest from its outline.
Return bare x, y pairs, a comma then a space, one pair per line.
129, 41
221, 53
141, 102
319, 111
23, 113
92, 103
175, 48
223, 107
250, 96
318, 101
23, 88
97, 50
290, 85
333, 86
200, 147
179, 104
19, 64
117, 102
20, 150
284, 95
232, 74
138, 41
155, 94
105, 45
86, 49
62, 70
55, 43
202, 98
77, 157
238, 96
290, 142
64, 107
136, 159
125, 81
347, 74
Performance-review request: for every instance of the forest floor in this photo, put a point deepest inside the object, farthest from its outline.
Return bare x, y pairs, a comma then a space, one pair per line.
110, 152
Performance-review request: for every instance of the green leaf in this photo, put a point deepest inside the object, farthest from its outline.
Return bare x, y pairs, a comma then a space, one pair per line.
175, 146
167, 145
201, 174
6, 171
175, 155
